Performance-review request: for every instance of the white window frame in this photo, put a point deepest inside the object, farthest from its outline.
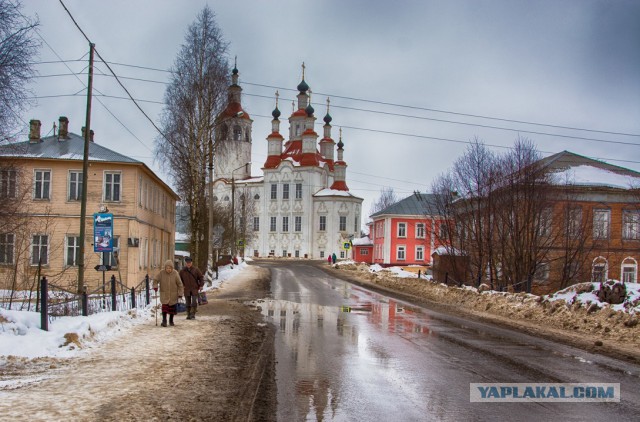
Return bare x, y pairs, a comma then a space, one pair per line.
601, 223
7, 248
401, 230
599, 262
273, 224
285, 224
297, 223
113, 185
420, 230
256, 224
8, 183
274, 191
298, 190
401, 253
343, 223
45, 185
629, 263
419, 253
71, 250
40, 246
630, 225
285, 191
322, 223
78, 185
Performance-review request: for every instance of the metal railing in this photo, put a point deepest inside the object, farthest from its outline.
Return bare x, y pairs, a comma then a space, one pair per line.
56, 301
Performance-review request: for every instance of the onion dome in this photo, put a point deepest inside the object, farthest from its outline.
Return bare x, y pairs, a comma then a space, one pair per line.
327, 119
275, 113
235, 70
303, 87
309, 110
340, 144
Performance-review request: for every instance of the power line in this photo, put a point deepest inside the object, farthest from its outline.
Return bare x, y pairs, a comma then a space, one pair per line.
446, 112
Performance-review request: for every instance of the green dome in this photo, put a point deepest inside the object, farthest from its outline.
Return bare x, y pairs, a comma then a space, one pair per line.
276, 113
303, 87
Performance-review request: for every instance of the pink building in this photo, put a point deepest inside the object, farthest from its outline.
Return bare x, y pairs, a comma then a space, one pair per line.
402, 234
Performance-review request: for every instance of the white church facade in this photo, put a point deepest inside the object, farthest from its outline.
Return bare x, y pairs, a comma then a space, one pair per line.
301, 205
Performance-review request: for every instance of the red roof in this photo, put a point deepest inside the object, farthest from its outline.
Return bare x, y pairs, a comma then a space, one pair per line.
339, 185
233, 109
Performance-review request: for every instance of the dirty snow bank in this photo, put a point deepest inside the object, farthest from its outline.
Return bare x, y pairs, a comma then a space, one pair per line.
21, 336
576, 309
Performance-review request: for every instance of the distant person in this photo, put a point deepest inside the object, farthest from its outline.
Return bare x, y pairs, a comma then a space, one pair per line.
171, 290
333, 257
329, 259
193, 281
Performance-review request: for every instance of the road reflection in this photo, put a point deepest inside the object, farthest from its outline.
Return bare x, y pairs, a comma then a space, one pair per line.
321, 348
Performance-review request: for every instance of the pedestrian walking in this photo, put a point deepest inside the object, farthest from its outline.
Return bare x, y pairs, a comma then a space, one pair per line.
333, 257
329, 259
171, 289
193, 281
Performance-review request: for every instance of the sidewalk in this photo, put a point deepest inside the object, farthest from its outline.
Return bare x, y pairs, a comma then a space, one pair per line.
207, 369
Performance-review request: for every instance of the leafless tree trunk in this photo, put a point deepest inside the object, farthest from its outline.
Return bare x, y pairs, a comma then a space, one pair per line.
193, 99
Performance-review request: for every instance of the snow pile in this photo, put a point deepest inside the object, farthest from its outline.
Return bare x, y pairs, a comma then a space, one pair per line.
576, 311
586, 295
20, 333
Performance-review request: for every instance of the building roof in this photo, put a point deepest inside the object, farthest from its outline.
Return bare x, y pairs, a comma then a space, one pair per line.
363, 241
568, 168
71, 148
566, 159
418, 204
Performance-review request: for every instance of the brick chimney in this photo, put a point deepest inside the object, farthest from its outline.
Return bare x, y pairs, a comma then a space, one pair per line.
84, 130
34, 131
63, 129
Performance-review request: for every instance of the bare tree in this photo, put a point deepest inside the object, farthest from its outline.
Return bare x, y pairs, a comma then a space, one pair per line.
386, 199
464, 198
17, 50
193, 99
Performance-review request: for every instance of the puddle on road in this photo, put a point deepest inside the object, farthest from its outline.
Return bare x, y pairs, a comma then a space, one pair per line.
322, 351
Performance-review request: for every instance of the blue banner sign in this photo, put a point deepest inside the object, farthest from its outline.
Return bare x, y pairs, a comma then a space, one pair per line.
102, 232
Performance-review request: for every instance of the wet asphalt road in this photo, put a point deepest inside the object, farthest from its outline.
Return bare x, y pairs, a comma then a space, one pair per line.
347, 353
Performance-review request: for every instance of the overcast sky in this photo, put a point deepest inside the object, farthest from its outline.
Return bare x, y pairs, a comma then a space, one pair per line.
409, 81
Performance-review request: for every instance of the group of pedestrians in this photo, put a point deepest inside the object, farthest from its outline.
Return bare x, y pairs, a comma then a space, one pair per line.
331, 259
175, 285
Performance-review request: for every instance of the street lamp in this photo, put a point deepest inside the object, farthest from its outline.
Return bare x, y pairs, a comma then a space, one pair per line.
233, 208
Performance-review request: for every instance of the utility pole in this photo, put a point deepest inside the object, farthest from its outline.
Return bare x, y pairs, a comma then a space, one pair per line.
85, 171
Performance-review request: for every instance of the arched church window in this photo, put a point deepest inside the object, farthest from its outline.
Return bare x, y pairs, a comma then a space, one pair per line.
237, 133
256, 197
226, 198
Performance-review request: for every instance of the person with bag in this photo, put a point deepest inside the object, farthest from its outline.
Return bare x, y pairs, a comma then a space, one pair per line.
171, 290
193, 281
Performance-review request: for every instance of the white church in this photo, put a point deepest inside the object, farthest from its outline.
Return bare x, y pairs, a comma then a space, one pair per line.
301, 206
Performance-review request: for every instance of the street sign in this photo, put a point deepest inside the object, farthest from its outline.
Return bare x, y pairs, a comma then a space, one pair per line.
240, 243
103, 267
346, 246
103, 232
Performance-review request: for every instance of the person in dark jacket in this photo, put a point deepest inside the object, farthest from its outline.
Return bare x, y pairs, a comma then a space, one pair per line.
193, 282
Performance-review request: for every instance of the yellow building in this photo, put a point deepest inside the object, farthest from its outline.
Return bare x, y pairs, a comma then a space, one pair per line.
42, 179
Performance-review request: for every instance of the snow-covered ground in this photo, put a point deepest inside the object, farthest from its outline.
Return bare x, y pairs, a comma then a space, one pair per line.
20, 333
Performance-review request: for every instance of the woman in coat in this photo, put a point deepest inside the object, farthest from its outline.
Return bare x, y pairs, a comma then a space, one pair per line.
171, 289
